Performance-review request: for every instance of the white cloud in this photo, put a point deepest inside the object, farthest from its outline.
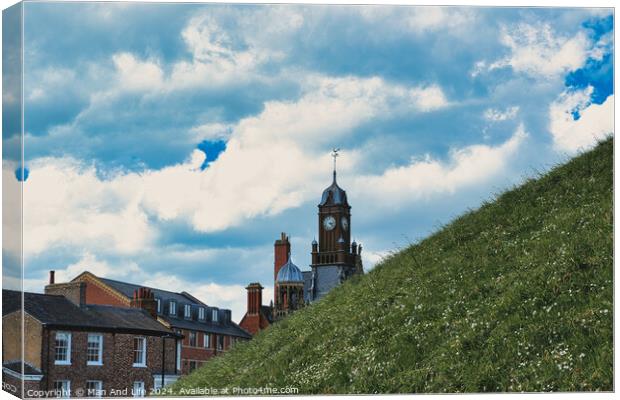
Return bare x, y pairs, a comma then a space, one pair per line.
419, 20
269, 165
134, 74
596, 121
212, 131
89, 262
496, 115
65, 202
420, 179
536, 50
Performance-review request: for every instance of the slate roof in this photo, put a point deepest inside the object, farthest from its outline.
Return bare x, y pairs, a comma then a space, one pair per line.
334, 195
127, 289
16, 366
266, 311
59, 312
224, 324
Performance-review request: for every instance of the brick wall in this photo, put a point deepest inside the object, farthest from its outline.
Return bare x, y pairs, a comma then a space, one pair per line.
117, 371
97, 295
74, 291
12, 338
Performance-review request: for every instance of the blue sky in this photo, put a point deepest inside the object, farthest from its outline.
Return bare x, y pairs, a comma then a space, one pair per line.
170, 144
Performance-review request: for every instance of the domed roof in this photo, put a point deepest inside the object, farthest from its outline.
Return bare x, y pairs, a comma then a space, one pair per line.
289, 273
334, 195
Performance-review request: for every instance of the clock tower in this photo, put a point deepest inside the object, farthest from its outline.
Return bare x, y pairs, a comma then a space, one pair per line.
334, 257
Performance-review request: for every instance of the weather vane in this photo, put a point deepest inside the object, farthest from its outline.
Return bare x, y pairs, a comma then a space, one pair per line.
335, 154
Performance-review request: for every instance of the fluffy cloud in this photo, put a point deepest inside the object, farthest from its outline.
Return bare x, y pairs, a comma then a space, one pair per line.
428, 177
538, 51
263, 171
576, 123
496, 115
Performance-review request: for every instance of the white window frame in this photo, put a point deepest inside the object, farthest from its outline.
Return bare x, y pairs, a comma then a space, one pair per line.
143, 362
63, 391
187, 313
189, 338
214, 315
206, 340
68, 338
223, 340
173, 308
100, 355
201, 313
98, 391
158, 300
138, 389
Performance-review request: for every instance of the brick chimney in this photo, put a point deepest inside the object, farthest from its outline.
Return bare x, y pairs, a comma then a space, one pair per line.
73, 291
255, 298
282, 249
145, 299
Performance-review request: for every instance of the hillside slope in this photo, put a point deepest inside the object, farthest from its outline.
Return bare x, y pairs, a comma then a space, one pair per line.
515, 296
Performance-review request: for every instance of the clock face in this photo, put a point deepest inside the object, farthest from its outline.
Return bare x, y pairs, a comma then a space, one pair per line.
345, 223
329, 223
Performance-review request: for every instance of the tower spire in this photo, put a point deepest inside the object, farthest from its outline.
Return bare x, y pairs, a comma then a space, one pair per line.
335, 155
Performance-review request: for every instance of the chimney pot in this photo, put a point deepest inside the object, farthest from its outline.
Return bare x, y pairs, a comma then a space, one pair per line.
52, 279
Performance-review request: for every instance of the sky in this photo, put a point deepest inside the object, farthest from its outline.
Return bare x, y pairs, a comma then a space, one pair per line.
170, 144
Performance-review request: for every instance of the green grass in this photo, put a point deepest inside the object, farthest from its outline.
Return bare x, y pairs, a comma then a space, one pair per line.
514, 296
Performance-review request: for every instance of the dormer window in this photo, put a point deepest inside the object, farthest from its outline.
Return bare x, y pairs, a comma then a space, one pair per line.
158, 305
188, 311
173, 307
214, 315
201, 313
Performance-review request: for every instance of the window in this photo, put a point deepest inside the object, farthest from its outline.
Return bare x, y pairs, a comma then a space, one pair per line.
94, 349
192, 339
173, 307
158, 300
220, 342
201, 313
62, 388
206, 341
138, 389
214, 315
94, 388
192, 366
139, 352
188, 311
62, 353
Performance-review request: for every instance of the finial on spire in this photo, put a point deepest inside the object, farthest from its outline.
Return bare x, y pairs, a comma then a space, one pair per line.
335, 155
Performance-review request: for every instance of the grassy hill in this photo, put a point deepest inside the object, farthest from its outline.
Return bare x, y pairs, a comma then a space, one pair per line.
515, 296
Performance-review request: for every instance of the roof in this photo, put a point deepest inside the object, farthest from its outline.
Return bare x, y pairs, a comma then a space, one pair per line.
334, 195
59, 312
266, 311
289, 273
16, 366
223, 325
127, 290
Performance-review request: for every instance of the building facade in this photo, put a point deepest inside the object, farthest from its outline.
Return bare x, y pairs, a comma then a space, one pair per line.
207, 331
78, 350
334, 259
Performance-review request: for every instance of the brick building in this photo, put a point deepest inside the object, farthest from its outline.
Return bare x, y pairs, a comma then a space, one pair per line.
335, 258
207, 330
72, 349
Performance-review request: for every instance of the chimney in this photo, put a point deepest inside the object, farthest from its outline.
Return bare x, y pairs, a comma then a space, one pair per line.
144, 299
282, 249
255, 298
73, 291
